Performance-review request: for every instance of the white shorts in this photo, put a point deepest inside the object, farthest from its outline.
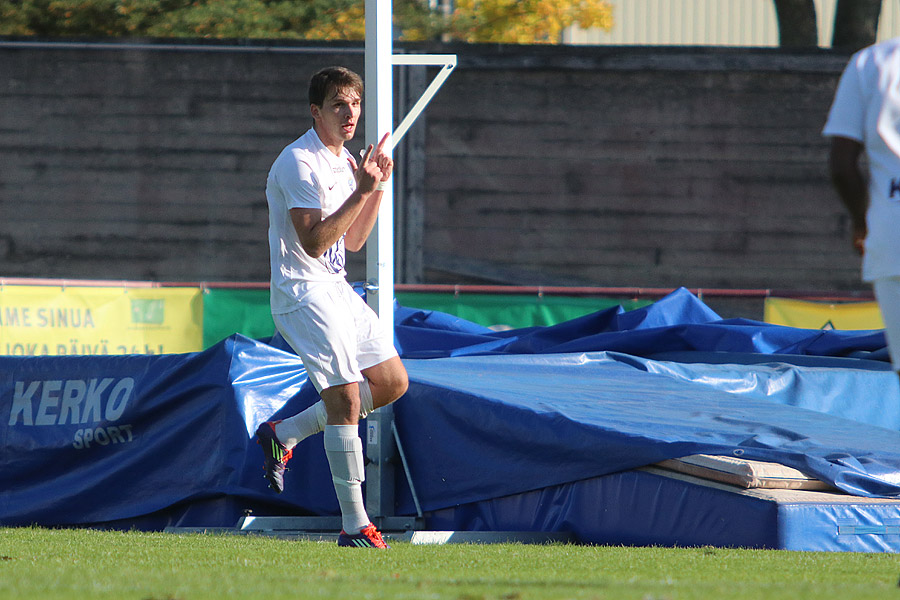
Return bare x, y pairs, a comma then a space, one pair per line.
335, 334
887, 292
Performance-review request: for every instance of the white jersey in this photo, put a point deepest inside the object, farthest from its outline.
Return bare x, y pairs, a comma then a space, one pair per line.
305, 175
867, 109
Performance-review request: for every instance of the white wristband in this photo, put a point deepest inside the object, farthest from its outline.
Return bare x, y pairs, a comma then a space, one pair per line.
382, 185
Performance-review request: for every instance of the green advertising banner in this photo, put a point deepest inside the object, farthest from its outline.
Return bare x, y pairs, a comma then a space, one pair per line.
229, 311
507, 311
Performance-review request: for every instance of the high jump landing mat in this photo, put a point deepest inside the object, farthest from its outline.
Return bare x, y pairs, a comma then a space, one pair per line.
563, 430
652, 506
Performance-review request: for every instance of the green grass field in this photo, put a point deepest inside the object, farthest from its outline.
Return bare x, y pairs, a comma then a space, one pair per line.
72, 564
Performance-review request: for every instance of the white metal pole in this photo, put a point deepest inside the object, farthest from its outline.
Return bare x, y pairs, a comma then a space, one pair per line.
379, 108
379, 105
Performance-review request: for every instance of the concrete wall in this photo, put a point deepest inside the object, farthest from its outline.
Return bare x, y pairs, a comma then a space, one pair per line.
143, 163
703, 168
595, 166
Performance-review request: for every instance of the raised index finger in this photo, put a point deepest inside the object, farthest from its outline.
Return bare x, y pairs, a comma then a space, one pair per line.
380, 148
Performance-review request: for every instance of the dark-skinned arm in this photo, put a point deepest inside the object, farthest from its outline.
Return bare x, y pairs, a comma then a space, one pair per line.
850, 183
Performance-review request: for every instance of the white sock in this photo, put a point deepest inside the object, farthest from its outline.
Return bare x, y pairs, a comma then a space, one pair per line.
293, 430
366, 403
343, 448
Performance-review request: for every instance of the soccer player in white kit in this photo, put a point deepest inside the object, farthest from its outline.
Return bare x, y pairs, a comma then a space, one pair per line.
322, 203
865, 117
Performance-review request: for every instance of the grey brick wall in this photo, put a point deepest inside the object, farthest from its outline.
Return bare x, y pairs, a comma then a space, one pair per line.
593, 166
638, 167
147, 163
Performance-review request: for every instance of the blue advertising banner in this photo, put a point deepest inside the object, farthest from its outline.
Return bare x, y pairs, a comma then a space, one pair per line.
109, 438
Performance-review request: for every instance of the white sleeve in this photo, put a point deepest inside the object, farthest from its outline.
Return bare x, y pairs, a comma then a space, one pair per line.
847, 117
298, 182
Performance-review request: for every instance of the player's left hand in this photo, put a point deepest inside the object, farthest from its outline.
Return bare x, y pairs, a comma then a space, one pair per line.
859, 238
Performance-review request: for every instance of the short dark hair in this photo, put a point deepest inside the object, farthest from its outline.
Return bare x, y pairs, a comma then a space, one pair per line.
333, 78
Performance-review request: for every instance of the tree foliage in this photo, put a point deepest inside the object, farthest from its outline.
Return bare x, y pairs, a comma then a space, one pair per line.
172, 18
516, 21
525, 21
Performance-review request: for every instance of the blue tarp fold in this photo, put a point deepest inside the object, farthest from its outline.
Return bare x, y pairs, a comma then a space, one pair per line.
677, 323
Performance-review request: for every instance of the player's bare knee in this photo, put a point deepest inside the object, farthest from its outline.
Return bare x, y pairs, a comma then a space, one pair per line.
389, 381
401, 385
395, 384
341, 404
389, 390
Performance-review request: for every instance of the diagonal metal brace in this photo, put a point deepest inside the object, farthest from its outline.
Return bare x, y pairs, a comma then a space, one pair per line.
448, 61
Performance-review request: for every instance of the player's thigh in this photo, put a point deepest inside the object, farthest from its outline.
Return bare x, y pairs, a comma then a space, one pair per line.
323, 336
374, 344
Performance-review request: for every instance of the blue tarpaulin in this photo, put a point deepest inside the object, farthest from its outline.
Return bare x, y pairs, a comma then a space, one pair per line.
149, 441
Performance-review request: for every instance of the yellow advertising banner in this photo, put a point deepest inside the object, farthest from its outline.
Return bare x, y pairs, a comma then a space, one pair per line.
54, 320
822, 315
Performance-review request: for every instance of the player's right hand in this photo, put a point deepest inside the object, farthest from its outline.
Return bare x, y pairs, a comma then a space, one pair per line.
368, 174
